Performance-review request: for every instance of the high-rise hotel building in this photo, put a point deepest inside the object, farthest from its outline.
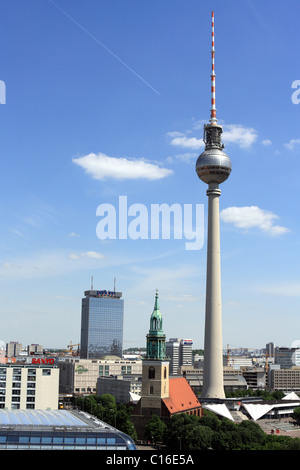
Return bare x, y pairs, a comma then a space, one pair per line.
102, 316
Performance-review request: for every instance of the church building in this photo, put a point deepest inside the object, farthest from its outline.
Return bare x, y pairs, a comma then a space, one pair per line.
161, 395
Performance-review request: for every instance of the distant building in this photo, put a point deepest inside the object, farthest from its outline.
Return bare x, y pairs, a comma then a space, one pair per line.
270, 349
13, 349
287, 357
125, 389
101, 324
35, 349
179, 351
284, 379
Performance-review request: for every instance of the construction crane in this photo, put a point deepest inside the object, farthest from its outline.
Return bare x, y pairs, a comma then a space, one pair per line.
71, 346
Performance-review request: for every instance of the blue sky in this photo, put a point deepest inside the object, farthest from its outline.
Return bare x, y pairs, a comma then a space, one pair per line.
108, 99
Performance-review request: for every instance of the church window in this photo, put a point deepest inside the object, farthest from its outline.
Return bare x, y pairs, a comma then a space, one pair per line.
151, 373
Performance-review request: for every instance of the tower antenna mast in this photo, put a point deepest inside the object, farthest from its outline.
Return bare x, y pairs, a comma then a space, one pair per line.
213, 117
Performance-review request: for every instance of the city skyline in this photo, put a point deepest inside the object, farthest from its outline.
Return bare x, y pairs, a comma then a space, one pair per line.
110, 101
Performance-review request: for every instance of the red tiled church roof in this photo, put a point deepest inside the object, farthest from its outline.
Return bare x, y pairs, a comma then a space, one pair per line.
181, 396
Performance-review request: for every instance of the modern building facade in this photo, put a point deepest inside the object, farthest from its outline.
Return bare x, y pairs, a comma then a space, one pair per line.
284, 379
287, 357
29, 386
79, 376
102, 317
179, 351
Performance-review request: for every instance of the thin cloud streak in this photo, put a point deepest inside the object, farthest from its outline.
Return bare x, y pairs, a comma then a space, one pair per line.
104, 47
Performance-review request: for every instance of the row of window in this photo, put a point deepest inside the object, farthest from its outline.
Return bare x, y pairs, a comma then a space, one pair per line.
37, 439
17, 406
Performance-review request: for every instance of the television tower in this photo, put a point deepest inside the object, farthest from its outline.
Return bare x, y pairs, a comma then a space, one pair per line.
213, 167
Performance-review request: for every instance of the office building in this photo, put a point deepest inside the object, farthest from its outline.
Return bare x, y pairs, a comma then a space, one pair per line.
13, 349
287, 357
79, 376
26, 386
270, 349
33, 349
101, 324
179, 351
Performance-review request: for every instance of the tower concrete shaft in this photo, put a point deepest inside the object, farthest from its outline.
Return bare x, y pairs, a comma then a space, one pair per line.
213, 352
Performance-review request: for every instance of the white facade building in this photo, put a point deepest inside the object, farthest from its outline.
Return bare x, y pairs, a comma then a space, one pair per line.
29, 386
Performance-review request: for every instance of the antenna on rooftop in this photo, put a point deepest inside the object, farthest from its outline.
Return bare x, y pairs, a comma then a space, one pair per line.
92, 284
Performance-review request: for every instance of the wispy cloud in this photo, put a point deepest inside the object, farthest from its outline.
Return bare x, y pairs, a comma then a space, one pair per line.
292, 143
244, 137
252, 217
237, 134
89, 254
183, 141
101, 167
48, 264
291, 289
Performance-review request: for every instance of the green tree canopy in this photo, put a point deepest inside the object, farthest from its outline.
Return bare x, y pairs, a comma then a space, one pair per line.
155, 429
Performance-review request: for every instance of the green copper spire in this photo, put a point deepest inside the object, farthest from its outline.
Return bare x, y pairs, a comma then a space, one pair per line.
156, 321
156, 340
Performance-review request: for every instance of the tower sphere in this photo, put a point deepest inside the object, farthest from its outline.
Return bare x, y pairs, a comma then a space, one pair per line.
213, 165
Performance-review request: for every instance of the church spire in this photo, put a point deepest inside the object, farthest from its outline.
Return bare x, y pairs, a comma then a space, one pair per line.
156, 340
156, 321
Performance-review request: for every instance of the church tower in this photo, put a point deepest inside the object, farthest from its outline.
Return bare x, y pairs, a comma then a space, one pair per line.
155, 375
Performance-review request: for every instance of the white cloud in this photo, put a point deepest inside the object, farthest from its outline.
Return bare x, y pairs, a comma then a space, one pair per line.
250, 217
240, 135
102, 167
266, 142
232, 133
89, 254
291, 144
187, 142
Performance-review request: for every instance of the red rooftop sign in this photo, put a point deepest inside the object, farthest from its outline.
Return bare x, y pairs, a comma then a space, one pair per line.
42, 360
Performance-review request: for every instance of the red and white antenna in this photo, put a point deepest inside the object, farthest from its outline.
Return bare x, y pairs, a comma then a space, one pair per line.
213, 117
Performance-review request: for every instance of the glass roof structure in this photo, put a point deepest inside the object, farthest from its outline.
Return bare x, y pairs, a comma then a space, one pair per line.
39, 418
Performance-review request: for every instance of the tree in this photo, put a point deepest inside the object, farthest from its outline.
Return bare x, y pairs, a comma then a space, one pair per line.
296, 415
197, 437
175, 432
253, 437
155, 429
